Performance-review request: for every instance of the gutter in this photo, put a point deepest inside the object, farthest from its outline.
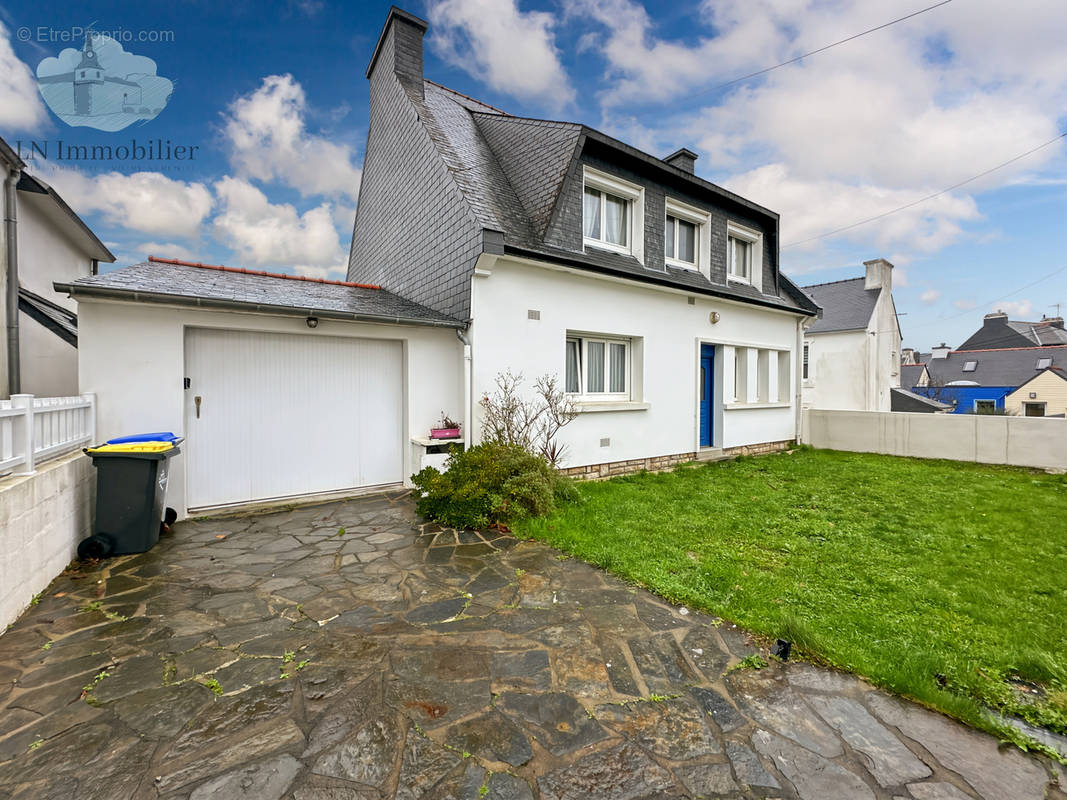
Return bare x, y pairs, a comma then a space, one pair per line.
14, 373
77, 291
653, 278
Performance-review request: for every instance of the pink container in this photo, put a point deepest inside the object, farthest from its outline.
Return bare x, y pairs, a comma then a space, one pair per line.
444, 433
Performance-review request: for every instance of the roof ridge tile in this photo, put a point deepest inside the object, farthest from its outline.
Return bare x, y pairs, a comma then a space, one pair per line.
262, 273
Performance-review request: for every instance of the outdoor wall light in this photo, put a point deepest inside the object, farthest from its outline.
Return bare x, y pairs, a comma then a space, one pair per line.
713, 317
313, 322
1033, 395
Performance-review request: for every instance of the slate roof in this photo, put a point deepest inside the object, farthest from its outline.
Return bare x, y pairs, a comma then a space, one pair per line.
1006, 367
210, 286
61, 321
903, 400
846, 305
1041, 333
511, 170
910, 374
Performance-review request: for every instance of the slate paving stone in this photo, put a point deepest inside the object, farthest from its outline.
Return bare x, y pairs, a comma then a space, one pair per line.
673, 728
560, 723
491, 736
622, 773
814, 777
394, 653
889, 761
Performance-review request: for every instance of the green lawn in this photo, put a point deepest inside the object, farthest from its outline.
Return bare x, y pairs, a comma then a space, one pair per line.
939, 580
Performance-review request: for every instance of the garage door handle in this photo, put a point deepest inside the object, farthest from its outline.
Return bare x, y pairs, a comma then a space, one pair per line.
197, 400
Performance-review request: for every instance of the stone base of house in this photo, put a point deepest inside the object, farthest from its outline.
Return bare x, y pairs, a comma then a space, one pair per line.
661, 463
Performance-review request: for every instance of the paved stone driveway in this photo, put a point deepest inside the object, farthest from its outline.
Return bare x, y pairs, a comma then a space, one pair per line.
340, 652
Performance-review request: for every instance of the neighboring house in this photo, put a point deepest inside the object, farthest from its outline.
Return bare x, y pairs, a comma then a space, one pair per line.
1044, 395
912, 375
43, 241
548, 247
851, 356
999, 333
979, 381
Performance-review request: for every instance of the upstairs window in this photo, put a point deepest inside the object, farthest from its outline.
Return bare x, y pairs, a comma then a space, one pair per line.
744, 256
680, 241
612, 214
598, 368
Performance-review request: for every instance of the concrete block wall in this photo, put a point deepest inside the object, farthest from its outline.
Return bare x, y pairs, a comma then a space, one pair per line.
42, 518
1019, 441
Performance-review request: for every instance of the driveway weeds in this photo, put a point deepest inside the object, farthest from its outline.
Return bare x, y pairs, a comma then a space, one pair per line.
347, 651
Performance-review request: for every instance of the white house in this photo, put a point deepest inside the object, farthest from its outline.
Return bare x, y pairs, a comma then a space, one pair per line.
851, 355
43, 241
483, 242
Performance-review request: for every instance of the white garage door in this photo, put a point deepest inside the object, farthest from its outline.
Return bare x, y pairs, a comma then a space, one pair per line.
278, 415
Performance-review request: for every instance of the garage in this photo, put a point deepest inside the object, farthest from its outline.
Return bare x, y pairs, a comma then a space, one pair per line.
283, 387
271, 415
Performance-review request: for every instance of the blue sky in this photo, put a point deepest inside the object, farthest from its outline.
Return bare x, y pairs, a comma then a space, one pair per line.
274, 98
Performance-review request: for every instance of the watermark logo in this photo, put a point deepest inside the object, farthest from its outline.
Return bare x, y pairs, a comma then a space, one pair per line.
102, 85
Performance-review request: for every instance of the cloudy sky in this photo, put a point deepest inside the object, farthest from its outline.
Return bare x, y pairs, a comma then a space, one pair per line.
276, 103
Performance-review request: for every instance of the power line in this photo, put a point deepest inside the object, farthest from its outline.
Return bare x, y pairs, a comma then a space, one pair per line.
818, 50
921, 200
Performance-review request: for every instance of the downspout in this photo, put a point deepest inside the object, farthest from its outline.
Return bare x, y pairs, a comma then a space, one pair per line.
798, 370
468, 411
14, 376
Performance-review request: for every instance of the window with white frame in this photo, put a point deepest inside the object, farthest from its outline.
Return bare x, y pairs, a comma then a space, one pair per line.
686, 235
612, 212
598, 367
744, 257
806, 365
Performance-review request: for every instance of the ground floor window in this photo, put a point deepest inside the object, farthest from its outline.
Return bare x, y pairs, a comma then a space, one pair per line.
598, 367
985, 406
1034, 409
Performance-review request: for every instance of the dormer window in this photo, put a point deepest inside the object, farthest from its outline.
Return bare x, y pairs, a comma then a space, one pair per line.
686, 236
744, 256
612, 214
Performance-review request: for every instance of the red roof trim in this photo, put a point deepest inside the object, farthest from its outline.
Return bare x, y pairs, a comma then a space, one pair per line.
1002, 349
179, 263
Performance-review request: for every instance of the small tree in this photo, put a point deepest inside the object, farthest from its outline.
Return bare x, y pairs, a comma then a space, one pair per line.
532, 424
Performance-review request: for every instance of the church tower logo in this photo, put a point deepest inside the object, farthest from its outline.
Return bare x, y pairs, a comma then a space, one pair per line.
102, 85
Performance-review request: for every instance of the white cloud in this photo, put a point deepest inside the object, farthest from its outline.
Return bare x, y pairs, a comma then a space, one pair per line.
965, 304
929, 297
164, 250
262, 233
513, 51
1018, 309
268, 138
21, 107
148, 202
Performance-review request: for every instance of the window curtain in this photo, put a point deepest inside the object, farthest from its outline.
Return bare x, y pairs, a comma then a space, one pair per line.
687, 241
595, 377
614, 220
668, 238
591, 214
617, 373
572, 366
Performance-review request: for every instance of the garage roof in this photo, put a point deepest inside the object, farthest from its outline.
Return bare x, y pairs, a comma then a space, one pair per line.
161, 280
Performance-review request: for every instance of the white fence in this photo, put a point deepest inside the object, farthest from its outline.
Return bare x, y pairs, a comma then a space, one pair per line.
33, 429
1021, 441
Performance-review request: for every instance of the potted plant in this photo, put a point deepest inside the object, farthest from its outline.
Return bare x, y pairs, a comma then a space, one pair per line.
447, 428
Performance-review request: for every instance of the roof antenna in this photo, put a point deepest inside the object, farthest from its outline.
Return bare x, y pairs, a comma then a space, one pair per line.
1057, 307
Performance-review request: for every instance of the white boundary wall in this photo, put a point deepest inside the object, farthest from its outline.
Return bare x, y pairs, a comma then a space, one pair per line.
43, 516
1020, 441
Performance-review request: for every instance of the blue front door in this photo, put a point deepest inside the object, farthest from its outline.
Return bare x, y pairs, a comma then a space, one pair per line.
707, 362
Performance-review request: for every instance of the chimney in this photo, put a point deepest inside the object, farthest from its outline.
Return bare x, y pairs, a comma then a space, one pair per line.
1055, 322
907, 355
941, 351
879, 274
996, 318
684, 159
399, 49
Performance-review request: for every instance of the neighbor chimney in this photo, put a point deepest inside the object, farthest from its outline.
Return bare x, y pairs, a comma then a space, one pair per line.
907, 355
1055, 322
879, 274
684, 159
996, 318
941, 351
399, 49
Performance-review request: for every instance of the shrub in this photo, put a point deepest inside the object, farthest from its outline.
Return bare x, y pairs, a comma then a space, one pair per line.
491, 483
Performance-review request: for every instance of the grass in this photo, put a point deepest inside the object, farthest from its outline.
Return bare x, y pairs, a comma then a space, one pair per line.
939, 580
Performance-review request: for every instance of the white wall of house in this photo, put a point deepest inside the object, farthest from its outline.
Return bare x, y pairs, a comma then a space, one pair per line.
132, 356
48, 365
661, 416
855, 370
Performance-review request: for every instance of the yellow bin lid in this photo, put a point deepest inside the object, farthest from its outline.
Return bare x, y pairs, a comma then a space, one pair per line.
132, 447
